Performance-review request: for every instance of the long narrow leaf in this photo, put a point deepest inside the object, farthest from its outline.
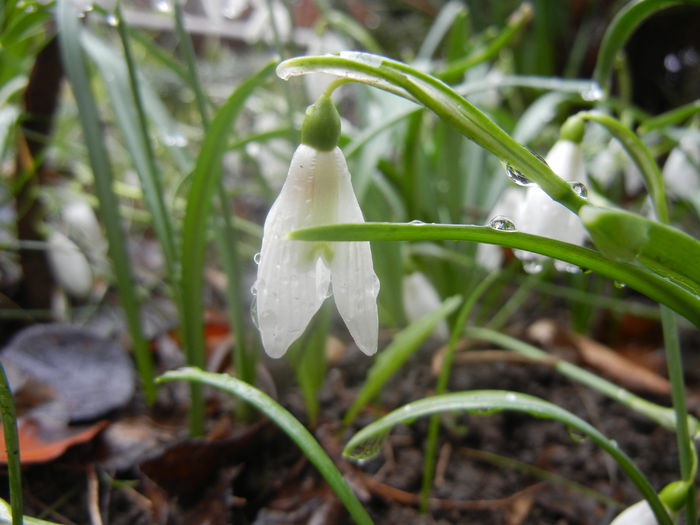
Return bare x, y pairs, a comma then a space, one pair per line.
9, 428
620, 29
288, 423
205, 181
364, 444
69, 34
650, 284
390, 360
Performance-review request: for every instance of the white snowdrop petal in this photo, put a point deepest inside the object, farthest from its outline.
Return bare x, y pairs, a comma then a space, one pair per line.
420, 298
292, 280
638, 514
355, 285
69, 265
355, 288
680, 172
566, 160
294, 277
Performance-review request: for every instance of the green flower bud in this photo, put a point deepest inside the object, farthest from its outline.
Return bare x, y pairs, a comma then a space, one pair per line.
321, 126
675, 494
573, 129
618, 234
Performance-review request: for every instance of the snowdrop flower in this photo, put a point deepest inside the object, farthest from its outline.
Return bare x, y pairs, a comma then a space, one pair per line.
673, 498
420, 298
539, 214
681, 173
490, 256
638, 514
295, 277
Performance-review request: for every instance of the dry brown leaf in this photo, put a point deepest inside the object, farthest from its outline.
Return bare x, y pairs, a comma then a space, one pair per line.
619, 368
39, 445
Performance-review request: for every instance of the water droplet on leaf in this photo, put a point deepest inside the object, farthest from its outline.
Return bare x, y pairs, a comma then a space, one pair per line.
592, 93
367, 449
580, 189
502, 223
533, 267
518, 177
417, 222
619, 285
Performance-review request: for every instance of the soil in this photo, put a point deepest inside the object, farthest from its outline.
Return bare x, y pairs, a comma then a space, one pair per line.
498, 469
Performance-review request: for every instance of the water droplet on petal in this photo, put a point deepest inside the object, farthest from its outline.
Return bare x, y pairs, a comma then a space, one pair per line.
580, 189
254, 289
502, 223
256, 258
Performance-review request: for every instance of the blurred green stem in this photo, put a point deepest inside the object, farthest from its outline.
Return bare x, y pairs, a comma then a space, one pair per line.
9, 426
441, 387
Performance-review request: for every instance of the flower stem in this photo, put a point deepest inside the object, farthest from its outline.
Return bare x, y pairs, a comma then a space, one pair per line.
441, 387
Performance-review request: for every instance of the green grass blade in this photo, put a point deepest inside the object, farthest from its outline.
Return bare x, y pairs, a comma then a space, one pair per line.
205, 183
664, 416
620, 29
390, 359
288, 423
363, 444
69, 33
641, 156
650, 284
124, 91
403, 80
9, 427
7, 514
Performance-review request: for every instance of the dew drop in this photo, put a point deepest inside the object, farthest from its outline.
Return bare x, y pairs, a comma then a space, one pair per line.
517, 177
511, 397
175, 140
367, 449
502, 223
619, 285
533, 267
576, 435
111, 20
416, 222
592, 93
256, 258
580, 189
254, 289
164, 6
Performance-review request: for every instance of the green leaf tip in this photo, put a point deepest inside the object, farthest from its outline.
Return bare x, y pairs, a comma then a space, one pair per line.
321, 126
619, 235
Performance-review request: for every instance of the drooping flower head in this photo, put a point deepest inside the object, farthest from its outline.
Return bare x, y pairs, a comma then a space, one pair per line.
296, 277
